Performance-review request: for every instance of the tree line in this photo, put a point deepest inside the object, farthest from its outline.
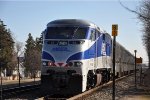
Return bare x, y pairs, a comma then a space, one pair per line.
10, 50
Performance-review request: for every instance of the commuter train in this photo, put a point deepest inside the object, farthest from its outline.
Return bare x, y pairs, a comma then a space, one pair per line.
77, 56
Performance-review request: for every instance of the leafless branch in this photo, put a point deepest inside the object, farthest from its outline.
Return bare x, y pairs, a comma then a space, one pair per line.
133, 11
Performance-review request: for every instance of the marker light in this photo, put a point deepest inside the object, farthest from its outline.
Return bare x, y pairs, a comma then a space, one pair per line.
44, 63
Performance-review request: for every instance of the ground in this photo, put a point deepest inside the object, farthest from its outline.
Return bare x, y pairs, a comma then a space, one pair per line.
142, 91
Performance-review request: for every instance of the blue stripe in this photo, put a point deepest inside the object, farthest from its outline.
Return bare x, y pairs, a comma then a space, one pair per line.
46, 55
90, 53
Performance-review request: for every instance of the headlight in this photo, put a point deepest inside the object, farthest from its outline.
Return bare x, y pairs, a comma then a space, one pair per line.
78, 64
48, 63
44, 63
75, 64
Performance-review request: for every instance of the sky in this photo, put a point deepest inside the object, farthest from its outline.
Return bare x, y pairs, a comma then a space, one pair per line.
31, 16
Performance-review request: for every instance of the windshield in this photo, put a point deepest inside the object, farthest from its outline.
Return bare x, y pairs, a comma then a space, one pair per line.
66, 32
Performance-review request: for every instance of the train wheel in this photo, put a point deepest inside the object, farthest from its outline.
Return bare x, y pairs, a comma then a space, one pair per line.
108, 76
104, 76
117, 76
91, 80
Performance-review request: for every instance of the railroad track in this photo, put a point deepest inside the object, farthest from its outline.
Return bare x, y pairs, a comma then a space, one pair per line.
6, 93
85, 94
82, 95
54, 97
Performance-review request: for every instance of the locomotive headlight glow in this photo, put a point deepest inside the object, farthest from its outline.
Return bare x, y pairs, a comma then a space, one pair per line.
50, 63
78, 64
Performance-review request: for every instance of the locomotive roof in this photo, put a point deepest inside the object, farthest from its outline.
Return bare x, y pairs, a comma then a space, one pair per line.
74, 22
77, 22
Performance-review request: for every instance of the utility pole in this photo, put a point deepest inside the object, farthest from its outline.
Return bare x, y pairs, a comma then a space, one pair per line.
18, 71
135, 67
114, 34
138, 61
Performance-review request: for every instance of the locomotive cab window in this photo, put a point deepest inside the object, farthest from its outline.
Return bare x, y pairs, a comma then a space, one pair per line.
65, 32
93, 35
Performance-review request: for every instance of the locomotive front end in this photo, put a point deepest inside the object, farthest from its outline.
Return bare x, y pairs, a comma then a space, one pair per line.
63, 58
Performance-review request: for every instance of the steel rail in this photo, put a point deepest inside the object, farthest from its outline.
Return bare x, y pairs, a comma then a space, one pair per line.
16, 90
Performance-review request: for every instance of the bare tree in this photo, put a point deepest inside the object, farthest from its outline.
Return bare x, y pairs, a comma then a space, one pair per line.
144, 10
143, 14
140, 15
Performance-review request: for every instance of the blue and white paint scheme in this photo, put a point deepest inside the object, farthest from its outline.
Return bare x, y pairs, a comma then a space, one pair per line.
76, 56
